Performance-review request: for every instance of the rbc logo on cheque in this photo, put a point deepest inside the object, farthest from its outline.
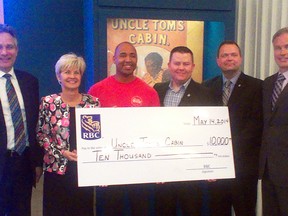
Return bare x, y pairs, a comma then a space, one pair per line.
90, 127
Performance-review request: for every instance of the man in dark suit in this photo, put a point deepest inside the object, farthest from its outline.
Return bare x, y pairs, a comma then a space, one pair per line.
274, 151
17, 170
244, 100
182, 90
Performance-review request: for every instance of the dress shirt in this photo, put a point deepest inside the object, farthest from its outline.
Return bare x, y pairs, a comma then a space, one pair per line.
6, 108
173, 98
285, 74
233, 81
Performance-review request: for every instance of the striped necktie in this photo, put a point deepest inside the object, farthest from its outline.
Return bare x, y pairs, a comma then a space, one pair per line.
277, 89
17, 119
226, 92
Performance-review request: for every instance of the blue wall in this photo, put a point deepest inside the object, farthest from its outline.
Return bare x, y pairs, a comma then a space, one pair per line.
213, 36
46, 30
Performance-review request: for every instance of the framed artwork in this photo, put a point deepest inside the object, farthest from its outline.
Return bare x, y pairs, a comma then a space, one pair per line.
153, 40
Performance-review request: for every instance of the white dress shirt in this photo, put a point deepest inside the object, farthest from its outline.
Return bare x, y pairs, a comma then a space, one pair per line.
6, 109
285, 74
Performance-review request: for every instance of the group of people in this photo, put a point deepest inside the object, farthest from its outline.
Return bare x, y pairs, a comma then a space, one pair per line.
258, 127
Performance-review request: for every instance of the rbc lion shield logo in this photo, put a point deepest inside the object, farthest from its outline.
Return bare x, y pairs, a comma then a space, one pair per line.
90, 127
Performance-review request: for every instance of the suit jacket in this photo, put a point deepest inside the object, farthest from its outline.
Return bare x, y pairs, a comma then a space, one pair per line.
195, 94
245, 111
30, 92
274, 150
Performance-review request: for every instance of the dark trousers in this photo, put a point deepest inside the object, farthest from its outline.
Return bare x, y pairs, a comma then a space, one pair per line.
274, 198
188, 195
63, 197
121, 199
16, 186
241, 193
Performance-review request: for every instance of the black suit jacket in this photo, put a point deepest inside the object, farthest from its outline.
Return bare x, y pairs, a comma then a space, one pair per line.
245, 111
30, 92
187, 193
274, 150
195, 94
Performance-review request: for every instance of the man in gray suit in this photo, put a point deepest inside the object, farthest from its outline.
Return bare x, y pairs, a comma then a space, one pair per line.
274, 150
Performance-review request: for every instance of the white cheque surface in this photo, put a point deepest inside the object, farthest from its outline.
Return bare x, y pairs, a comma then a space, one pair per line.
154, 144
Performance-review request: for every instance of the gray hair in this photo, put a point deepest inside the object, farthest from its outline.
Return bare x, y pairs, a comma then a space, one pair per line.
280, 32
9, 30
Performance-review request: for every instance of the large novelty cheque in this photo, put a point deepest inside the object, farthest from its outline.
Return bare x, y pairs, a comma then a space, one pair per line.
153, 144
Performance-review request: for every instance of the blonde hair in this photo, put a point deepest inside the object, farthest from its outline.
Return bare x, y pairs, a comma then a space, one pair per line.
70, 60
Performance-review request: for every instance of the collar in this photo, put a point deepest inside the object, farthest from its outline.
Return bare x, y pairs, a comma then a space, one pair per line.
285, 74
185, 85
11, 72
234, 79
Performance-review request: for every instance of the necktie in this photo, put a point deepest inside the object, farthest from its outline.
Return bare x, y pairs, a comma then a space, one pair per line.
277, 89
17, 119
226, 92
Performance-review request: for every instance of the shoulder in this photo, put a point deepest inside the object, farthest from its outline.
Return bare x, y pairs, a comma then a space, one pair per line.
249, 83
251, 79
213, 81
143, 85
25, 75
268, 83
139, 81
105, 82
51, 98
271, 78
163, 85
28, 83
202, 95
50, 102
90, 100
145, 90
197, 87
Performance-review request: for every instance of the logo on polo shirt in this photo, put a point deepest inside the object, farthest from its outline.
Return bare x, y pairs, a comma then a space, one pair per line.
136, 101
90, 127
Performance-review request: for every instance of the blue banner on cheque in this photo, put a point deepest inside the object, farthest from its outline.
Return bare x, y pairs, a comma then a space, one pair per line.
153, 144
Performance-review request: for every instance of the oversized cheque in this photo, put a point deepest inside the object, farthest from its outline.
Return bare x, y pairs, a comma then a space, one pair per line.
154, 144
